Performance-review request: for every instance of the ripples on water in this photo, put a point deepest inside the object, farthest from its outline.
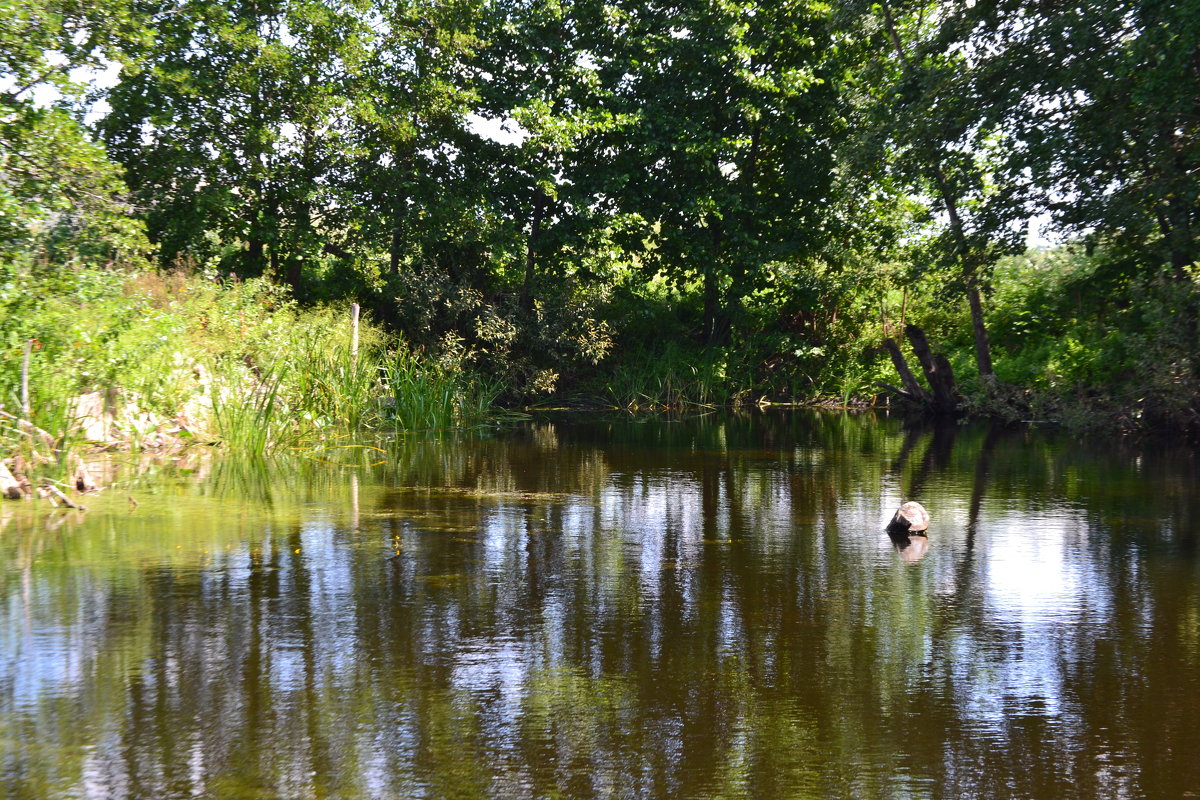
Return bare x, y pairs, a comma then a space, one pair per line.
674, 608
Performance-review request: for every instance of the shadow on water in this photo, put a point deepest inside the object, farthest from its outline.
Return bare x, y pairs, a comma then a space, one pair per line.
616, 607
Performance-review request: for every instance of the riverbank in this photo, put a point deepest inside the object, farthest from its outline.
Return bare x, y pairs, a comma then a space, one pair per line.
103, 359
110, 360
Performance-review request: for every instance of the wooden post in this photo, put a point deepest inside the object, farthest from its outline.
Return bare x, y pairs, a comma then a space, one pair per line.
354, 332
26, 409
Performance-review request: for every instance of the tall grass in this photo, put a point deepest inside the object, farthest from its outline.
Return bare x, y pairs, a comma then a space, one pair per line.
675, 377
426, 395
251, 413
237, 363
333, 385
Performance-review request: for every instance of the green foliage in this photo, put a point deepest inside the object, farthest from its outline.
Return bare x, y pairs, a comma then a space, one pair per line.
1082, 338
62, 201
696, 203
1109, 137
237, 362
670, 377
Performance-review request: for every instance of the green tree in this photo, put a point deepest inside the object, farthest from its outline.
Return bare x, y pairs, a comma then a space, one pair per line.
1103, 102
227, 127
728, 158
58, 188
408, 97
925, 129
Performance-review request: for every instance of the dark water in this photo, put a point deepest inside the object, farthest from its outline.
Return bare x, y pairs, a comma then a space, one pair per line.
617, 609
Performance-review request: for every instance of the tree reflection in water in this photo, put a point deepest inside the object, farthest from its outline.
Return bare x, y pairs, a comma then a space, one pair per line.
618, 608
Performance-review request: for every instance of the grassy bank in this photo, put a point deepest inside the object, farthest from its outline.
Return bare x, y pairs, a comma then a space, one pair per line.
96, 358
1093, 341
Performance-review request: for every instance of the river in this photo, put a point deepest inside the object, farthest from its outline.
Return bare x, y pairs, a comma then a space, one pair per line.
596, 607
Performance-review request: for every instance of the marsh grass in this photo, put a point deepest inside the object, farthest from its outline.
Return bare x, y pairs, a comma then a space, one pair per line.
332, 386
314, 396
676, 377
251, 414
426, 395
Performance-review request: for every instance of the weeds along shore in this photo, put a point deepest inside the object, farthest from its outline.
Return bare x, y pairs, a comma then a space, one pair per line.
109, 360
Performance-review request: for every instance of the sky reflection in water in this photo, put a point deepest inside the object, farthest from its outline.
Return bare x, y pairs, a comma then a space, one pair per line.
678, 608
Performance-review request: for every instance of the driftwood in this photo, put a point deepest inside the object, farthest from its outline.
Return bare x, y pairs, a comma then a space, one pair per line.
57, 497
31, 430
896, 390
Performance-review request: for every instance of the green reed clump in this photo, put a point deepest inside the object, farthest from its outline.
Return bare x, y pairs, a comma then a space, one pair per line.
334, 384
428, 394
673, 377
251, 413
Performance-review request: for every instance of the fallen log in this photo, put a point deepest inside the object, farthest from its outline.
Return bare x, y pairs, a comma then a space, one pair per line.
896, 390
57, 497
912, 389
31, 430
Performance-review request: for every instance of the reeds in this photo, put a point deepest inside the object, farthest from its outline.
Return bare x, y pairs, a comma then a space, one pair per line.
675, 378
424, 395
250, 412
308, 397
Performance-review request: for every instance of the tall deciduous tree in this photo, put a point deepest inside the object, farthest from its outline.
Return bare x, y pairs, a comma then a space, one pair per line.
409, 96
56, 183
729, 158
541, 71
1104, 100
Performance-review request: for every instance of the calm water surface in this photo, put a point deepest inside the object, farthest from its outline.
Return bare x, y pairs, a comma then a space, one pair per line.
618, 608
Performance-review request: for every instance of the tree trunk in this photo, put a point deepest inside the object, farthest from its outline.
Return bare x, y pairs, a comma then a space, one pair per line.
717, 324
716, 316
396, 246
907, 379
255, 253
531, 248
712, 304
937, 371
983, 348
295, 267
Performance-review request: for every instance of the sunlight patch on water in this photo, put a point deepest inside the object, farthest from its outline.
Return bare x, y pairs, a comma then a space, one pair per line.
1040, 571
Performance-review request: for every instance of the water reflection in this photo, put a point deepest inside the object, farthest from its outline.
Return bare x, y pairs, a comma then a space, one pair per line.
616, 608
912, 548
